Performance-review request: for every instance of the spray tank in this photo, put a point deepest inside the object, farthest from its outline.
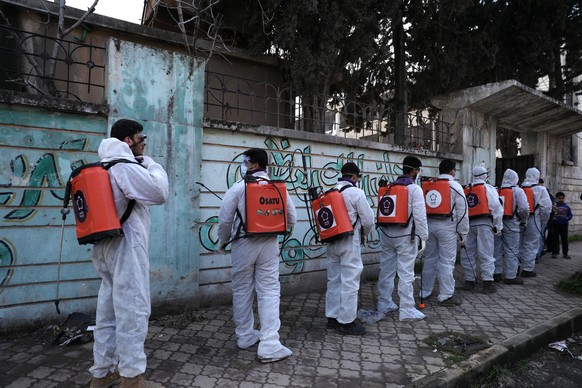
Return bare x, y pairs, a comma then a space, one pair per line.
89, 188
477, 200
437, 197
266, 206
506, 199
529, 194
392, 204
330, 214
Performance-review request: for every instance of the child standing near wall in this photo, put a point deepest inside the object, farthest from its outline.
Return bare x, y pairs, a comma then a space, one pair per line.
561, 216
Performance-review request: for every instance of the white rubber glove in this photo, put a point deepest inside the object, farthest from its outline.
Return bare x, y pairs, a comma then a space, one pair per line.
146, 160
497, 232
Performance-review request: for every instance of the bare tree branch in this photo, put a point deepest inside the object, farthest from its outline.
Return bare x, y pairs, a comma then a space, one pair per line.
87, 13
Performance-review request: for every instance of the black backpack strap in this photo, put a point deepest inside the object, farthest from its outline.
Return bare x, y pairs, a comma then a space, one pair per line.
345, 187
357, 215
127, 212
131, 204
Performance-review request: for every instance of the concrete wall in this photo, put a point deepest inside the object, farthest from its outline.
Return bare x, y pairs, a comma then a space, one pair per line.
474, 138
39, 147
304, 160
478, 147
42, 141
565, 176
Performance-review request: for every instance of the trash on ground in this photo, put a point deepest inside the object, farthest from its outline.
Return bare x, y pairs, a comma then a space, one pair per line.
76, 328
562, 346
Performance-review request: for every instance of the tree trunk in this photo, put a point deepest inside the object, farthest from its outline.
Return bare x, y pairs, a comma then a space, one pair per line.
400, 98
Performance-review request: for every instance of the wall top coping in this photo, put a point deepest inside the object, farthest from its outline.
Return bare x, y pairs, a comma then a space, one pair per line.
323, 138
59, 104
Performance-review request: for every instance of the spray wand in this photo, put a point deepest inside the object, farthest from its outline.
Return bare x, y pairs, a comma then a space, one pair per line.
64, 211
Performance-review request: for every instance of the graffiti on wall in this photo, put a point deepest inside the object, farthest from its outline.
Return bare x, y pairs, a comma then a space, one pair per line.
296, 167
43, 173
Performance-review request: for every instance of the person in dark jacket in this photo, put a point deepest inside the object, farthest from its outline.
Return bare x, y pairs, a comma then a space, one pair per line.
561, 216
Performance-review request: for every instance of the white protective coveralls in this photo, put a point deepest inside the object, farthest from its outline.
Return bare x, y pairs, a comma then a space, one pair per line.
344, 257
399, 251
507, 245
440, 253
123, 302
530, 240
255, 268
480, 241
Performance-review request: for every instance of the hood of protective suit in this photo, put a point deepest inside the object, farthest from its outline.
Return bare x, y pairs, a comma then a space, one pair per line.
532, 176
112, 148
510, 178
479, 173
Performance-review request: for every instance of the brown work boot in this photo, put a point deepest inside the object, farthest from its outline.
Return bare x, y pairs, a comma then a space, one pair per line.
138, 382
108, 381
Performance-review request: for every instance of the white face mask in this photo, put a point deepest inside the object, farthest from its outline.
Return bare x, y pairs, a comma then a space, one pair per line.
243, 167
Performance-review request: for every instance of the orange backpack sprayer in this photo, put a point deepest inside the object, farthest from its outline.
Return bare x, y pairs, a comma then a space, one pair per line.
477, 200
506, 198
92, 198
266, 206
437, 197
330, 214
529, 194
392, 204
93, 205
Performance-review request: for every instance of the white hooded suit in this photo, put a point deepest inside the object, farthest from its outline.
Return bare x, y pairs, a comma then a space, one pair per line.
440, 253
507, 245
530, 241
399, 251
344, 257
123, 303
255, 267
480, 241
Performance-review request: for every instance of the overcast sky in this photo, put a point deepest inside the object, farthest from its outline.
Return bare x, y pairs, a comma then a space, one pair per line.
129, 10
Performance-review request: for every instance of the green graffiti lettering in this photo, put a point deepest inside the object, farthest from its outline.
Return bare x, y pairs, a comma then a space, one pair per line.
292, 255
44, 174
7, 259
6, 197
76, 144
233, 173
206, 234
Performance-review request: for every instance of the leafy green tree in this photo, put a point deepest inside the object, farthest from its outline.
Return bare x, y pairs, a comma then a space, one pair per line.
402, 52
472, 42
324, 44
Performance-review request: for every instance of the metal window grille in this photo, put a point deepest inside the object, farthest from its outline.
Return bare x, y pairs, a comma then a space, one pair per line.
26, 65
243, 100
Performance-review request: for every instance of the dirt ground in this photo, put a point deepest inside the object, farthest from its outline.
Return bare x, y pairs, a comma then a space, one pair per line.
545, 368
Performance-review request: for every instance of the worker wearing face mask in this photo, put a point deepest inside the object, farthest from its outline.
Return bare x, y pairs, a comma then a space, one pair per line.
447, 227
485, 222
123, 303
515, 217
255, 264
344, 257
400, 246
540, 207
